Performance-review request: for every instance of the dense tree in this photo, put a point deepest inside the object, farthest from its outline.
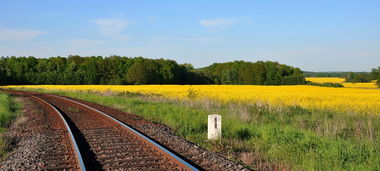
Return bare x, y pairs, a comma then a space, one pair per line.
123, 70
188, 66
375, 74
137, 74
3, 76
259, 73
170, 72
324, 74
360, 77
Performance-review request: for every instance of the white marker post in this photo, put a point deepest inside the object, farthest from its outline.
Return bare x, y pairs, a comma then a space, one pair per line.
214, 127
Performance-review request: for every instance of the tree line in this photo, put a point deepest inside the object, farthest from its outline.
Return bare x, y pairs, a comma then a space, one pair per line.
324, 74
258, 73
359, 77
362, 77
76, 70
376, 75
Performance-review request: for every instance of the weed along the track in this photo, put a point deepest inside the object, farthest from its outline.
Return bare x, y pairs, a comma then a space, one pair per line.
9, 109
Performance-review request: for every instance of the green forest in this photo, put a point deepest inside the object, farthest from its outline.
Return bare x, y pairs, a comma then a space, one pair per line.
259, 73
116, 70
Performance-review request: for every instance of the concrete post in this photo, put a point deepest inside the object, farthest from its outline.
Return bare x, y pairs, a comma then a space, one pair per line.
214, 127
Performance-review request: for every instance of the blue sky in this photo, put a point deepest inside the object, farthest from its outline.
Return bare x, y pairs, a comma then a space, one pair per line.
323, 35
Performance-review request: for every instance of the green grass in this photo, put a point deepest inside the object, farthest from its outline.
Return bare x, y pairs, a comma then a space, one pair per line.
291, 137
8, 111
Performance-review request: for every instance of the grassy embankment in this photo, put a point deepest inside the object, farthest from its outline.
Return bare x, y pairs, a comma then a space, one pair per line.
8, 111
260, 135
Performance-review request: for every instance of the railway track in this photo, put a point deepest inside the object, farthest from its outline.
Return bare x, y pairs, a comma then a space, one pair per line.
62, 151
97, 141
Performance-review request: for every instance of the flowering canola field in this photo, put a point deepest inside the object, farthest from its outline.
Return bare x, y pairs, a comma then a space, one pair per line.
345, 100
360, 85
326, 79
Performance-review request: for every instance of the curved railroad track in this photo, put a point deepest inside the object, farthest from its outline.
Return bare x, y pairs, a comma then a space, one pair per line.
62, 151
86, 138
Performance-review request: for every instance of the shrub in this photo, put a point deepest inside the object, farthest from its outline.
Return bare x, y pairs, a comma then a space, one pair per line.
192, 94
335, 85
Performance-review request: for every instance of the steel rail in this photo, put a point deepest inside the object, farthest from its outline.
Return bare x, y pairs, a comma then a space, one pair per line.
153, 143
74, 144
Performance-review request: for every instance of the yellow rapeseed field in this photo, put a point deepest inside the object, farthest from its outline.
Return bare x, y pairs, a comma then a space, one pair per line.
325, 79
345, 100
360, 85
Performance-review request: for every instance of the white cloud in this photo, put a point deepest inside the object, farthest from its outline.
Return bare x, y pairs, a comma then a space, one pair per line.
14, 35
221, 23
113, 27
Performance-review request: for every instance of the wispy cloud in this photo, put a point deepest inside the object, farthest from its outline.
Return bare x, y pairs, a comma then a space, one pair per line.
14, 35
113, 27
221, 23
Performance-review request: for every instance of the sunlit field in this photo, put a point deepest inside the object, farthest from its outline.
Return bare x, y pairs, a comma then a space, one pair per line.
325, 79
341, 100
360, 85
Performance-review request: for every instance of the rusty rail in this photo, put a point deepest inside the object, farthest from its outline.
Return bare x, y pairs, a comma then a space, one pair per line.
182, 164
78, 156
73, 142
58, 103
